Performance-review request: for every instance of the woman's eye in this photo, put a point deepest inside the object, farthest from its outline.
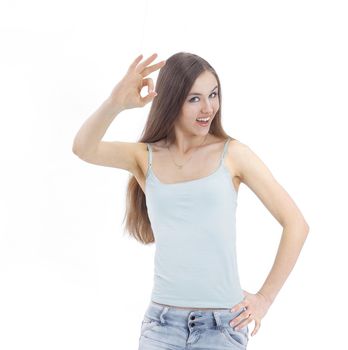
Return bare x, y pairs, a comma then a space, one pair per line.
213, 93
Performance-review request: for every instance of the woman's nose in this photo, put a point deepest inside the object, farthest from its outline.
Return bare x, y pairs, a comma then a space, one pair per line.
207, 106
207, 109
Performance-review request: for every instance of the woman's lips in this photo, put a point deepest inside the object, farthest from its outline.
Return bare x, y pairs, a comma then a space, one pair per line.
203, 123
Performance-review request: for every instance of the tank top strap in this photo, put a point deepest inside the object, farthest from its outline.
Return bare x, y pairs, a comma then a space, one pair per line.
225, 150
149, 158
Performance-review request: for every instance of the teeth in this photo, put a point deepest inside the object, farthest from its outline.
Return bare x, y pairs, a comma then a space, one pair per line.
203, 119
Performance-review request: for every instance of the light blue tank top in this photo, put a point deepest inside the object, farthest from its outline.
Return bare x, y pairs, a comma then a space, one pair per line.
194, 225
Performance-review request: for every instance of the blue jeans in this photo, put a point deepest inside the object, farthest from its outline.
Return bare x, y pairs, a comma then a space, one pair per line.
171, 328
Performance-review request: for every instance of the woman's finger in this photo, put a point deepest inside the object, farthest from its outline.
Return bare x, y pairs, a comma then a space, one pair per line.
256, 328
243, 324
149, 83
135, 62
142, 65
243, 316
146, 71
236, 307
151, 93
148, 98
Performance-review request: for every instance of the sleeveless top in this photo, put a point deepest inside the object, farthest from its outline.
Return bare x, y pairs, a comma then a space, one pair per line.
194, 226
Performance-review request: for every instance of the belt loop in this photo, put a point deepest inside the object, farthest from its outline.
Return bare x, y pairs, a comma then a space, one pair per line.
217, 319
163, 312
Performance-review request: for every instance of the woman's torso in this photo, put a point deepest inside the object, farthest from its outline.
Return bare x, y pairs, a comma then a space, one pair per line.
204, 162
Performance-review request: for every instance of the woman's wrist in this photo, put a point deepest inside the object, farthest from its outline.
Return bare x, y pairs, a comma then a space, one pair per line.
267, 298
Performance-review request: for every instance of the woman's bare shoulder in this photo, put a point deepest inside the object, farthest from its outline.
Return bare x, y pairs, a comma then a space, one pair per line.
235, 153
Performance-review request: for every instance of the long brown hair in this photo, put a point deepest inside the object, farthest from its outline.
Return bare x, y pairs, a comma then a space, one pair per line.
174, 82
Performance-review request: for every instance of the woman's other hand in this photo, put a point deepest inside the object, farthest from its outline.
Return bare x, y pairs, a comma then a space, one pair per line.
256, 306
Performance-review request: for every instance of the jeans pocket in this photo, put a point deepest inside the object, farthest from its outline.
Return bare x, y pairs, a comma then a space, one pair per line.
148, 324
238, 338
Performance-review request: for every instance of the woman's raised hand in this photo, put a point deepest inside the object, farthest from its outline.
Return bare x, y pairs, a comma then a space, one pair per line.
127, 91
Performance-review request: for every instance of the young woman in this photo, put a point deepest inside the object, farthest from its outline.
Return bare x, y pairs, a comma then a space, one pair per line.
182, 194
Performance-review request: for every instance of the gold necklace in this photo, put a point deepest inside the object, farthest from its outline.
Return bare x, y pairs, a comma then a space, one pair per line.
180, 166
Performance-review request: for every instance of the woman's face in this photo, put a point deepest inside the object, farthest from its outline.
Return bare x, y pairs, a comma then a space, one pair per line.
201, 102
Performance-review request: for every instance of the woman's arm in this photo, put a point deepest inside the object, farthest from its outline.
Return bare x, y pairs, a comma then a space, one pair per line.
255, 174
88, 144
94, 128
292, 240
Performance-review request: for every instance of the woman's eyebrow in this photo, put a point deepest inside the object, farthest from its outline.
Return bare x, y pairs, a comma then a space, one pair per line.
197, 93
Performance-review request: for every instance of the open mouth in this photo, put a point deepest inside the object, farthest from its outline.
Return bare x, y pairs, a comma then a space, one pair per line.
203, 121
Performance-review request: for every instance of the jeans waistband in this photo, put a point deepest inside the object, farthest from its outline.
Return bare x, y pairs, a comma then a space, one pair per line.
187, 318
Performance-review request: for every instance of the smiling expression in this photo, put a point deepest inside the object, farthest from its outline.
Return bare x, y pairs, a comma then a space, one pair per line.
201, 102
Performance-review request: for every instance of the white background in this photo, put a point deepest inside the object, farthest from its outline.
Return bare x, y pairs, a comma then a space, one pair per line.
69, 277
